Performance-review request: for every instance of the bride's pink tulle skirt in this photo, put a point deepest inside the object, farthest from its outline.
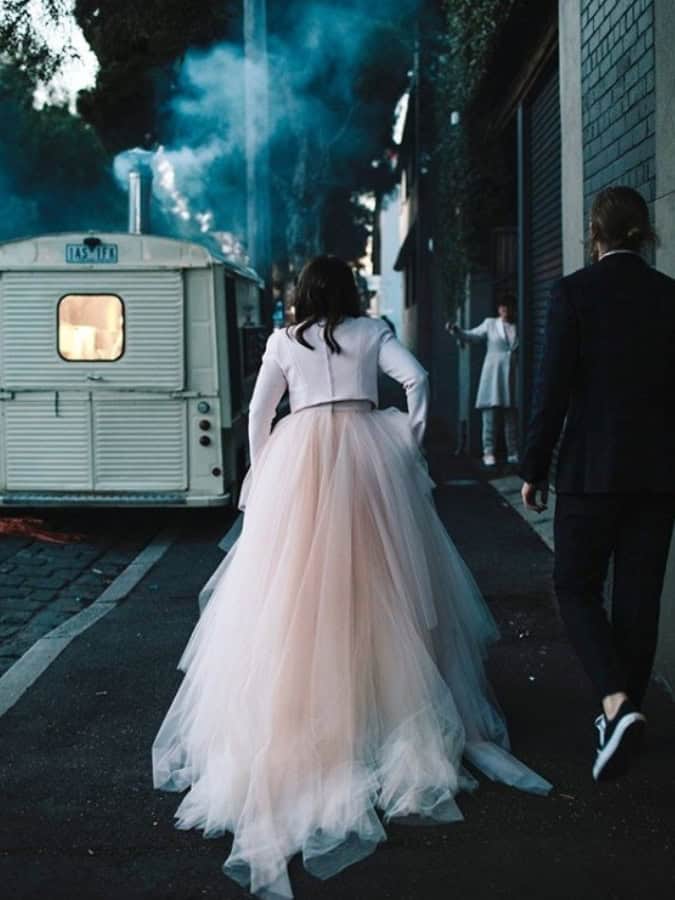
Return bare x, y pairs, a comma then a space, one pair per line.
337, 670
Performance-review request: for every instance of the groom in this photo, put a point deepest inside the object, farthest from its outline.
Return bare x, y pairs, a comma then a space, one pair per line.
609, 370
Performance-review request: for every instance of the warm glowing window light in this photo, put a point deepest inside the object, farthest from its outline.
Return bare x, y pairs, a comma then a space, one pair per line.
91, 327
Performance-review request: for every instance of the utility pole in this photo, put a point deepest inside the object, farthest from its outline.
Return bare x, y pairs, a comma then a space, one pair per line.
257, 135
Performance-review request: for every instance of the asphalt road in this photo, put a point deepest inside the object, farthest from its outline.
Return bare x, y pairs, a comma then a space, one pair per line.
79, 816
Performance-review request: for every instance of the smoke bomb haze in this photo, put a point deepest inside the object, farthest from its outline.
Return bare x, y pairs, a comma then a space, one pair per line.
324, 129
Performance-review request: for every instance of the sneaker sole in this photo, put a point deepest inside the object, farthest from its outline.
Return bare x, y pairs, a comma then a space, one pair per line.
615, 759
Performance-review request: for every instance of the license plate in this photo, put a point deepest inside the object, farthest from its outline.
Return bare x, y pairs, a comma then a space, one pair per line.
97, 253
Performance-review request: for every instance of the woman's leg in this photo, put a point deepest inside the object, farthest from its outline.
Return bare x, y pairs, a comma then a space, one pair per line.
511, 433
489, 435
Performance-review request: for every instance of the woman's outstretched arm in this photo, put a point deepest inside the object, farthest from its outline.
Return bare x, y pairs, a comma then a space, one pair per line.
473, 335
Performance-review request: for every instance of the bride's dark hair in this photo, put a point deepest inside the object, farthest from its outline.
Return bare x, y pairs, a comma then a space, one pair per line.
326, 289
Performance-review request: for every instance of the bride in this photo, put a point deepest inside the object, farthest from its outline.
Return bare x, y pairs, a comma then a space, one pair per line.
337, 670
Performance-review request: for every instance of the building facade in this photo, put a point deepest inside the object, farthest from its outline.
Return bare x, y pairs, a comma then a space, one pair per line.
580, 94
423, 311
618, 127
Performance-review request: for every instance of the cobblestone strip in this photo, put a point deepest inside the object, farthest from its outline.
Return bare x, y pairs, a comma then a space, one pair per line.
509, 487
43, 584
41, 654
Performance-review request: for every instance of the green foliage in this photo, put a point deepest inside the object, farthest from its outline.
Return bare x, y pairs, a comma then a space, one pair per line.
138, 46
20, 42
54, 172
462, 158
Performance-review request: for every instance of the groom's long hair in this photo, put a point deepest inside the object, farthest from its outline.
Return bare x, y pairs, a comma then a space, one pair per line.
326, 290
620, 221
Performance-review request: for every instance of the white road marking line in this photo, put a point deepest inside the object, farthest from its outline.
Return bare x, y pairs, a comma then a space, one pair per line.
28, 668
225, 544
235, 530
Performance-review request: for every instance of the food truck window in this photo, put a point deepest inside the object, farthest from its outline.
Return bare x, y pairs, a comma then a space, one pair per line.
90, 327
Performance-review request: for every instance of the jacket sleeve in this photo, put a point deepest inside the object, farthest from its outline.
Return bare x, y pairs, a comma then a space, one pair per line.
398, 362
553, 385
474, 335
270, 387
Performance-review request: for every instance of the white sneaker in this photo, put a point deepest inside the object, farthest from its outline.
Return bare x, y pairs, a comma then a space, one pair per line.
489, 460
513, 459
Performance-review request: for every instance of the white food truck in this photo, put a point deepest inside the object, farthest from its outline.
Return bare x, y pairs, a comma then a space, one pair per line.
126, 365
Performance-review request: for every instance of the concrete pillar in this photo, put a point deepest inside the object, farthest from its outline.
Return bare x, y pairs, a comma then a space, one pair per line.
664, 218
572, 157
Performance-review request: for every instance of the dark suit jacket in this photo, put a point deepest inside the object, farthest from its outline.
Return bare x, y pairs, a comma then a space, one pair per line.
609, 366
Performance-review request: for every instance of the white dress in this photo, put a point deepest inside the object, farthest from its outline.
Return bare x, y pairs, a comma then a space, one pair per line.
335, 679
497, 385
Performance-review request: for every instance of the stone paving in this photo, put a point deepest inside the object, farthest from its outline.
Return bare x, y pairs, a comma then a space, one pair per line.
43, 582
509, 487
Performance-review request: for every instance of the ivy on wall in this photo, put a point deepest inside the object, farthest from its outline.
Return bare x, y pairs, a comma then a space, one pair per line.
471, 28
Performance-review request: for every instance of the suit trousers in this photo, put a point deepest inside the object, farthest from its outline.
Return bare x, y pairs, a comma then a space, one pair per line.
617, 653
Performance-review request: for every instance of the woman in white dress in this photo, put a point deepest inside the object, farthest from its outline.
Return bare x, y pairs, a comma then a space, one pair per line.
496, 396
337, 670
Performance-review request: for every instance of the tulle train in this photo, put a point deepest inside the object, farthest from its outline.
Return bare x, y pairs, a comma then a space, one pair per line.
337, 669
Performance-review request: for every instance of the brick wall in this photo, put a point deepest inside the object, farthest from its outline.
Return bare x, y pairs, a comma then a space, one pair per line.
617, 87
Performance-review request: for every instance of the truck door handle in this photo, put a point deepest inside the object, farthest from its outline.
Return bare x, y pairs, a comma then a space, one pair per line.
95, 378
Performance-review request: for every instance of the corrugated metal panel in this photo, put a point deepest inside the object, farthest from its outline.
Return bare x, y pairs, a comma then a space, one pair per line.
47, 445
545, 226
140, 444
545, 205
154, 343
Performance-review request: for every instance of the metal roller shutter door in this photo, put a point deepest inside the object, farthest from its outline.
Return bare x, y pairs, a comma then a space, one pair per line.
545, 227
544, 221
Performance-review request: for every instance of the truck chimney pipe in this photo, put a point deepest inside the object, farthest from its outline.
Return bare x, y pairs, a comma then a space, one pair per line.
140, 192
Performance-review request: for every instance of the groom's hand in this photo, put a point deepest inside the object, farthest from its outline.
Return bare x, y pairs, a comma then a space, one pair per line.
535, 496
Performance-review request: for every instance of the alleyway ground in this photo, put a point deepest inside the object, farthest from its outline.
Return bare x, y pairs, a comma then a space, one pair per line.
80, 817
